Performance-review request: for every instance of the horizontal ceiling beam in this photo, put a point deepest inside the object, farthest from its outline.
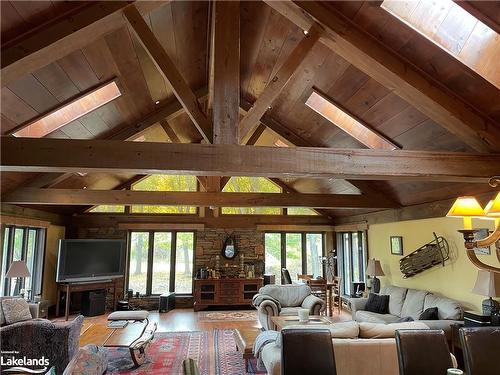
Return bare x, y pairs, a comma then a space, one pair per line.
388, 68
93, 220
79, 197
70, 32
63, 155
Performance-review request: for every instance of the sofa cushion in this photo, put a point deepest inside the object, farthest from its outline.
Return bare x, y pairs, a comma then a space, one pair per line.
447, 308
429, 314
341, 330
378, 330
289, 295
396, 298
289, 311
15, 310
414, 303
377, 303
368, 316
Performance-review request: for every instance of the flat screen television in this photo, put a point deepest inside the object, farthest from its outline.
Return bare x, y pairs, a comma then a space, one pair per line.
90, 260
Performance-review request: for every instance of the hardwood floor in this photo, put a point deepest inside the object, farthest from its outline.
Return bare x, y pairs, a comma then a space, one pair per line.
180, 320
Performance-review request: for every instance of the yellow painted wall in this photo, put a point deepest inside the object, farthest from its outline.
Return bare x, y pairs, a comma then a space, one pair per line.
54, 234
455, 280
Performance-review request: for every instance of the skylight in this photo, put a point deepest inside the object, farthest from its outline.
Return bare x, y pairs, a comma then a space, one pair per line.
347, 123
455, 30
69, 112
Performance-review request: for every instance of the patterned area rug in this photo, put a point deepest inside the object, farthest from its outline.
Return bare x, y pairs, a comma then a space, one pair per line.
229, 361
164, 355
227, 315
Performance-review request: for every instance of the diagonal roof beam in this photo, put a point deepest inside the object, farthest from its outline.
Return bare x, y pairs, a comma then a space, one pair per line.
277, 83
419, 89
67, 33
170, 73
364, 186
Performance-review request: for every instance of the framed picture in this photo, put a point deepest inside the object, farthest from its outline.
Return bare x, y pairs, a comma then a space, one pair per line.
479, 235
396, 245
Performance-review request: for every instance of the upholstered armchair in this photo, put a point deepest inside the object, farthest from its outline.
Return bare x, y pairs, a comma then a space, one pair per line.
280, 300
58, 342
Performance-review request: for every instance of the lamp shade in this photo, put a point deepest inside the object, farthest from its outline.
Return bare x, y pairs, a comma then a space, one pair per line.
493, 207
487, 284
466, 206
18, 268
374, 268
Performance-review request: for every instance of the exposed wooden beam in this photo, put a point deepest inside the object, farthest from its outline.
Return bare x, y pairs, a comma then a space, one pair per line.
49, 155
216, 199
288, 189
169, 72
413, 212
58, 38
225, 221
225, 78
170, 132
27, 212
279, 81
366, 53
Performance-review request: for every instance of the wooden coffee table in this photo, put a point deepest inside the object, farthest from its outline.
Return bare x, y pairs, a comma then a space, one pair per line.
136, 336
314, 320
245, 338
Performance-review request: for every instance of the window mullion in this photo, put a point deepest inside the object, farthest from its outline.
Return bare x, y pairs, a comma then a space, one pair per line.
173, 255
149, 278
304, 255
283, 250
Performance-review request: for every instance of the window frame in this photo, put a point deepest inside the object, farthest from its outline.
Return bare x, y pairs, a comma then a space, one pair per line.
150, 256
38, 263
303, 248
341, 253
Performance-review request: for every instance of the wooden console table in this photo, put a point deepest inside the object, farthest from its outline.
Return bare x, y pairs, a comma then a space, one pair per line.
69, 288
225, 292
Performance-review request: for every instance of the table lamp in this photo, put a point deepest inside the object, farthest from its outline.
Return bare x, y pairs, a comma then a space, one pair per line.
488, 284
18, 270
374, 269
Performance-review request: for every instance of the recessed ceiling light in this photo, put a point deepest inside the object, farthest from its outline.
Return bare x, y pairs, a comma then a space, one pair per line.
157, 102
306, 32
84, 187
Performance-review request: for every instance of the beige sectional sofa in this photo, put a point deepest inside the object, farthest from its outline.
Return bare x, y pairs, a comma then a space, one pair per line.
405, 302
359, 348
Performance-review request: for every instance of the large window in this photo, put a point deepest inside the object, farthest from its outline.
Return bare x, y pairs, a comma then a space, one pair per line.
165, 183
299, 253
352, 258
27, 244
160, 262
251, 185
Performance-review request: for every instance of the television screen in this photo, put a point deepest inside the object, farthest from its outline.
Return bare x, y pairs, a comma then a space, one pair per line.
89, 260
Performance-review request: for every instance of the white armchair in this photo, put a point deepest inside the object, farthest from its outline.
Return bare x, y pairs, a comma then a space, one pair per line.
279, 300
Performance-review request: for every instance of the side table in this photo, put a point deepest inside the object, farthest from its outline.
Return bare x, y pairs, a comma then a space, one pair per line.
40, 309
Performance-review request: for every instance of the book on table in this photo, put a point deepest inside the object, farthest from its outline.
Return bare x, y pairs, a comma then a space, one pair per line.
117, 324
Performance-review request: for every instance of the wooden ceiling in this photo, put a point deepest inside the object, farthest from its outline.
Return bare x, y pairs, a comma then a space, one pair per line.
267, 39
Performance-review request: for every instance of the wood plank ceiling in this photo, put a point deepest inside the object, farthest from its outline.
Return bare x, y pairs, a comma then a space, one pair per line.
267, 39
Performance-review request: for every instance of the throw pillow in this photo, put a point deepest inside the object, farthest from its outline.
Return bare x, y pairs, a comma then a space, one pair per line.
377, 304
429, 314
15, 310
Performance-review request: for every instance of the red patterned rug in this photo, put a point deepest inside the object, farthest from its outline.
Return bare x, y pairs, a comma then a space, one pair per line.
164, 355
229, 361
